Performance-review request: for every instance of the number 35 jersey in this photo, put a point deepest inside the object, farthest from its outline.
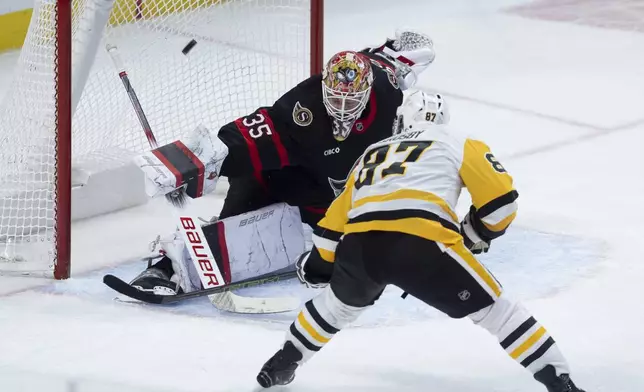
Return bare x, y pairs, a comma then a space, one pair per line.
411, 182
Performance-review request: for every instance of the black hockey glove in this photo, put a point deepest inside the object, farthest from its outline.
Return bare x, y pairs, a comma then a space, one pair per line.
312, 270
471, 232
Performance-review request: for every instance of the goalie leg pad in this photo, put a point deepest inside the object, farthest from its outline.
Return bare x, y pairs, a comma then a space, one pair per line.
244, 246
258, 242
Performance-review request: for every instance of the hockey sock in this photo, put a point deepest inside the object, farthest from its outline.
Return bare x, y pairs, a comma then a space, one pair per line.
320, 319
521, 336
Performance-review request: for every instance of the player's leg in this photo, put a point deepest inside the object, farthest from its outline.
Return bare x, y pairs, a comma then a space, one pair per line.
523, 338
452, 280
349, 293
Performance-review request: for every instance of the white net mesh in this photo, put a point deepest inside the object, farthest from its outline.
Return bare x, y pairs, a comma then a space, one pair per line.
248, 52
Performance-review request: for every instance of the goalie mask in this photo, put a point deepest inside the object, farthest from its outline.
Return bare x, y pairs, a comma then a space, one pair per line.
419, 108
346, 86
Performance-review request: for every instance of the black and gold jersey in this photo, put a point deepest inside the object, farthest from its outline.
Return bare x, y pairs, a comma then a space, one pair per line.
411, 182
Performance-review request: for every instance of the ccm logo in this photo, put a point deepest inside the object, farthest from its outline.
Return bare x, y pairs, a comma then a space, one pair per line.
256, 218
199, 253
331, 151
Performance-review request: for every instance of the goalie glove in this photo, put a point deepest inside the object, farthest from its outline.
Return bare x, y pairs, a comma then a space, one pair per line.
312, 270
194, 163
472, 238
410, 52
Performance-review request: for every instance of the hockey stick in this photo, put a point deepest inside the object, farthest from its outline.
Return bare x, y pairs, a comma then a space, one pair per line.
126, 289
191, 231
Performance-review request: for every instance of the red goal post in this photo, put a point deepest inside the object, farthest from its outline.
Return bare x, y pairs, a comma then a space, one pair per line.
65, 127
63, 186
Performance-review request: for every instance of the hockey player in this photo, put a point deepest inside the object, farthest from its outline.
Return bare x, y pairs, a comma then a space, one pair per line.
297, 151
394, 223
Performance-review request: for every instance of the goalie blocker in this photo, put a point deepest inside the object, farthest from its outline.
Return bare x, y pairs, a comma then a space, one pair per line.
244, 246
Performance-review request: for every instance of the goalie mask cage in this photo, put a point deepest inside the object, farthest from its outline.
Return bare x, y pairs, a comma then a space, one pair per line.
67, 128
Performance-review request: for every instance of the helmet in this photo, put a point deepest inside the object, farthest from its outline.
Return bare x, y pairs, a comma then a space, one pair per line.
346, 86
419, 108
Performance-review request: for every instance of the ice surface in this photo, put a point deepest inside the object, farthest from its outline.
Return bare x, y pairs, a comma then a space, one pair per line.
559, 103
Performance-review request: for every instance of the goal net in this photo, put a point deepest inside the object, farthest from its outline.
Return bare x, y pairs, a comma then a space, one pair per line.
247, 53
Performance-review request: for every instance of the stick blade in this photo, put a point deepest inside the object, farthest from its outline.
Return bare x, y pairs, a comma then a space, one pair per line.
233, 303
124, 288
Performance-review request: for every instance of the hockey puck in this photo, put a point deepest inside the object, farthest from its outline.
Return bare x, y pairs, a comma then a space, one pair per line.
189, 47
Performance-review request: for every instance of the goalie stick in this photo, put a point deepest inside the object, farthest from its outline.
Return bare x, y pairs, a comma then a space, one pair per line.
191, 230
285, 305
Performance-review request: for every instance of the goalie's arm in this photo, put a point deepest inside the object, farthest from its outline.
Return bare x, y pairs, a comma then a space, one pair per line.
244, 147
256, 143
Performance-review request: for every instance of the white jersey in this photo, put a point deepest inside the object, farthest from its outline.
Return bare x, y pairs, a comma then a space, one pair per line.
411, 183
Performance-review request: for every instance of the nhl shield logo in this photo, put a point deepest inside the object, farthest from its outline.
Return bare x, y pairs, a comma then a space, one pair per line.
464, 295
301, 115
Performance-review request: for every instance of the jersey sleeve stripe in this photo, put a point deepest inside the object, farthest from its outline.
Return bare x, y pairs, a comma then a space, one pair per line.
327, 233
501, 226
500, 214
497, 203
326, 255
277, 140
253, 152
323, 243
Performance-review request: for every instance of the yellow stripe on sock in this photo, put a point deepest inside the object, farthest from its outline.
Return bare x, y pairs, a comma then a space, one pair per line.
309, 328
528, 343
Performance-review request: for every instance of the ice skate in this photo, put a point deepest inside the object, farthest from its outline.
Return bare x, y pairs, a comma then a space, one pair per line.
562, 383
155, 281
280, 369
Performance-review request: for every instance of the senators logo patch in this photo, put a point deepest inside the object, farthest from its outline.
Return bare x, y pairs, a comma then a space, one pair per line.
302, 116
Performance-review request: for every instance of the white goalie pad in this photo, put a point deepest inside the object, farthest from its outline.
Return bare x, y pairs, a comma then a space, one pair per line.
244, 246
261, 241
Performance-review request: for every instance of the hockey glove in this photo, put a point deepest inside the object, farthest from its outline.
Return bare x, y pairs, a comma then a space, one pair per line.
473, 240
193, 163
307, 272
410, 52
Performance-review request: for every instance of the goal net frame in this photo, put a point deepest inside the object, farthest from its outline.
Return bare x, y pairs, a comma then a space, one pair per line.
62, 187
